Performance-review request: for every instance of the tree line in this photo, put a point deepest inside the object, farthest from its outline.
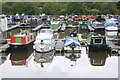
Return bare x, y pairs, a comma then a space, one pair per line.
61, 8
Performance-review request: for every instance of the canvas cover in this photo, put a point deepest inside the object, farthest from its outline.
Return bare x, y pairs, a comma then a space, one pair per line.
72, 41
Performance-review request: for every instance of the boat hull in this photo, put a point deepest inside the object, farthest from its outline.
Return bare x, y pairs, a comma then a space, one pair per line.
44, 48
111, 28
98, 48
20, 48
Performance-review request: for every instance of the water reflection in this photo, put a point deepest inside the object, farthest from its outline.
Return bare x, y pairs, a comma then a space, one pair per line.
59, 63
20, 58
42, 58
73, 57
98, 58
111, 35
3, 57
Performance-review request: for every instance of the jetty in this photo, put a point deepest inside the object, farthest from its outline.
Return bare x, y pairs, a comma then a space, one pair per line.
37, 28
59, 45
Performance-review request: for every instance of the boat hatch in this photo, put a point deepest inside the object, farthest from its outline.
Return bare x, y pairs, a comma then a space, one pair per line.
97, 41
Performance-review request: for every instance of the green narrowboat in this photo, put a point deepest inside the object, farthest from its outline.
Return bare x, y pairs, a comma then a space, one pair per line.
83, 27
47, 23
55, 26
70, 22
96, 42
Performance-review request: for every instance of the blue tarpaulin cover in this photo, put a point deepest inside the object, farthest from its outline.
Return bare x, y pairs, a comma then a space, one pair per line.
72, 41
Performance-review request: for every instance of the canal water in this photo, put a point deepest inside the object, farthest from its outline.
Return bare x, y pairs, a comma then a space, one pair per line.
24, 64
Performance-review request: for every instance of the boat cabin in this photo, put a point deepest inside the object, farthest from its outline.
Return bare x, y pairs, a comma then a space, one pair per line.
96, 42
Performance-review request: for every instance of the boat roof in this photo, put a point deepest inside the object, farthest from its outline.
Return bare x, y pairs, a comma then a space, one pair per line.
46, 31
55, 22
61, 16
110, 24
44, 36
95, 35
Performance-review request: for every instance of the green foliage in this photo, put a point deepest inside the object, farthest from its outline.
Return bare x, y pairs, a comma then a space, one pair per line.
59, 8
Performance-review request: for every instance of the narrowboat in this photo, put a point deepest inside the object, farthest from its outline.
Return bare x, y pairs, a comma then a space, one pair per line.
83, 27
44, 41
84, 18
76, 20
70, 21
111, 25
96, 42
22, 41
72, 44
47, 23
92, 17
55, 26
98, 26
44, 17
62, 18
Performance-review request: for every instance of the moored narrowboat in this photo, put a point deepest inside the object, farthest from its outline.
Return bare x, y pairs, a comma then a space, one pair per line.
72, 45
83, 27
22, 41
70, 21
96, 42
55, 26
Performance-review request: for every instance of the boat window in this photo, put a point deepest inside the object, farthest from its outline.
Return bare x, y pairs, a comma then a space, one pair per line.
46, 41
97, 41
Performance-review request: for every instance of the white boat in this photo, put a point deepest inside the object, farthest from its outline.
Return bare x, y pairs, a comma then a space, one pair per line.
72, 44
45, 41
97, 25
111, 25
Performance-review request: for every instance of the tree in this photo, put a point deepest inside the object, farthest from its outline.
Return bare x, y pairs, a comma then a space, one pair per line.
108, 8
